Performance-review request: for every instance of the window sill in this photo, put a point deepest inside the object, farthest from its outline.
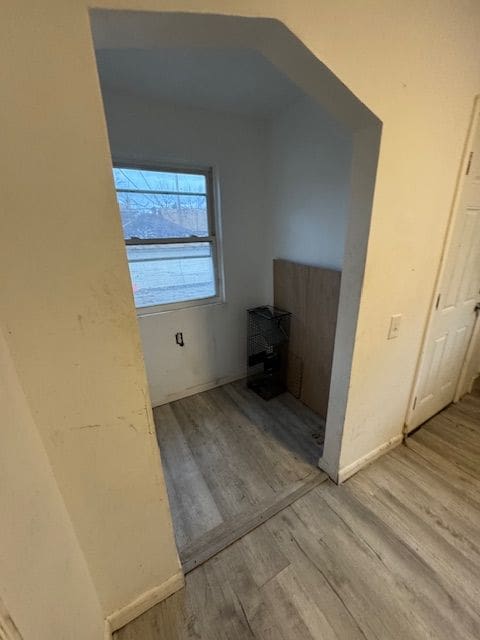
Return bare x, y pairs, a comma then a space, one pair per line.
143, 312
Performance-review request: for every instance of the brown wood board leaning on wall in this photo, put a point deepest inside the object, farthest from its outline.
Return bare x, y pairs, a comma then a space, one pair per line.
311, 295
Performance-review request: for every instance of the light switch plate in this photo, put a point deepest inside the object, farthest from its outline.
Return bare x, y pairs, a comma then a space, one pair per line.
394, 326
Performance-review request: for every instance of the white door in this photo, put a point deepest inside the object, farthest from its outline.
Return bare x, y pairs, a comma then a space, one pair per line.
453, 315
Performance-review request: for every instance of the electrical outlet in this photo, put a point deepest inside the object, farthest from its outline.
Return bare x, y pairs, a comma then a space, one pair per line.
179, 339
394, 326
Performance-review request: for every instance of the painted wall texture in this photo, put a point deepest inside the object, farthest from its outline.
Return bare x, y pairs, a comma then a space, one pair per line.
66, 307
235, 147
44, 579
283, 192
309, 183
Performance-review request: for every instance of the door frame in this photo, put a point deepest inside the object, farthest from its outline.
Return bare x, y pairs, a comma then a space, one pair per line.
453, 215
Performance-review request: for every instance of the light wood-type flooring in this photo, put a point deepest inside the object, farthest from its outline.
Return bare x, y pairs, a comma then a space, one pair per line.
227, 452
394, 553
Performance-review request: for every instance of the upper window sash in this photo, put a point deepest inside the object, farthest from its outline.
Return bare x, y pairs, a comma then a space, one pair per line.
205, 191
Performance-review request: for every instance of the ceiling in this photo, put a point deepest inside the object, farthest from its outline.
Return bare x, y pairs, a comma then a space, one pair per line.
240, 81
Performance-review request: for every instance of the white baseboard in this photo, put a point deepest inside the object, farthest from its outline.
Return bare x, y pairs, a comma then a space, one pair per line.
191, 391
132, 610
348, 471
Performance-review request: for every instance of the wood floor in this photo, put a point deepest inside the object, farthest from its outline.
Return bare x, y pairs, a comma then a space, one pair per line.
227, 452
392, 554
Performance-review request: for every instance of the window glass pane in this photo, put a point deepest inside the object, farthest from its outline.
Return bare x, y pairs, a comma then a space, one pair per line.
141, 179
171, 272
173, 213
147, 215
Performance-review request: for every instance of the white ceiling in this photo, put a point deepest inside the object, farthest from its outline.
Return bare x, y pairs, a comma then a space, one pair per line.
241, 81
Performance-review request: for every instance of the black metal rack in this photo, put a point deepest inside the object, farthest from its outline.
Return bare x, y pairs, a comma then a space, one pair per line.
268, 332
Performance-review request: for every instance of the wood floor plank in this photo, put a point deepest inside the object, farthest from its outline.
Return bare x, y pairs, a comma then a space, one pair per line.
440, 486
278, 463
453, 570
311, 614
194, 510
234, 482
459, 431
416, 584
448, 450
227, 450
290, 434
350, 567
285, 609
314, 579
222, 536
446, 519
457, 475
394, 553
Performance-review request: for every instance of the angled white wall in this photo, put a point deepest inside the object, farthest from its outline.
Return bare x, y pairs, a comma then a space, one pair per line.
66, 311
44, 579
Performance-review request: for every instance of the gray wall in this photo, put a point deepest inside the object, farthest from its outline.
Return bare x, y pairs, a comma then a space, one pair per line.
309, 184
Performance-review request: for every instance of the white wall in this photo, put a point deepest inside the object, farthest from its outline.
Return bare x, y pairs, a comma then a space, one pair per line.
416, 65
214, 335
309, 165
44, 580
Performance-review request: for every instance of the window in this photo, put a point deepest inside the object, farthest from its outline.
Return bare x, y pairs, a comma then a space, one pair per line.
169, 230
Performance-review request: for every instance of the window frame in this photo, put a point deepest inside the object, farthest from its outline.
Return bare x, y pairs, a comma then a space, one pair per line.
212, 239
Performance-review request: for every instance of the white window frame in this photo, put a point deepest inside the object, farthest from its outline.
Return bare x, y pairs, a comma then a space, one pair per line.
212, 238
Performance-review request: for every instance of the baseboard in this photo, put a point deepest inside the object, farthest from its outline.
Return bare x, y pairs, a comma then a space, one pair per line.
199, 388
132, 610
348, 471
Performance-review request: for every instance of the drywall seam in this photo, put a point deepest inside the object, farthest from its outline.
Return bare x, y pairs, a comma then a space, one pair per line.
132, 610
348, 471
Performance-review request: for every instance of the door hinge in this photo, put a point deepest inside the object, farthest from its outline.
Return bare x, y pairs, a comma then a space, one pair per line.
414, 403
438, 301
469, 164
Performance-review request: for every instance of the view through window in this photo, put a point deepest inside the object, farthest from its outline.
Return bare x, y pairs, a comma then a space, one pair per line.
169, 231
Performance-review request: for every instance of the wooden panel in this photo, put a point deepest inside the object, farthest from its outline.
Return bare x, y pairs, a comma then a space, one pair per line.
290, 293
323, 288
311, 295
